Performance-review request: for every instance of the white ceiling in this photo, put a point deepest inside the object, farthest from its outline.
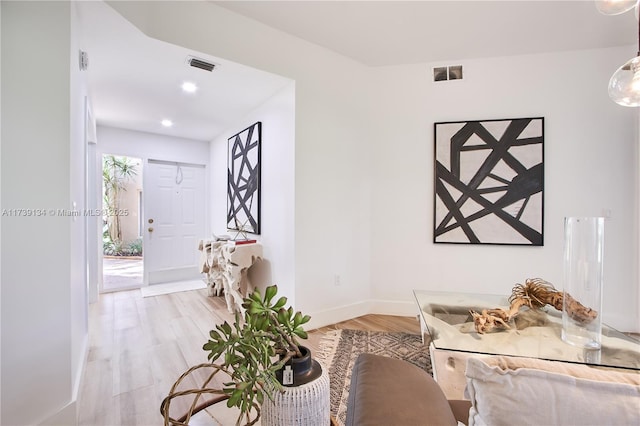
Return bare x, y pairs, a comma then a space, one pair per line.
135, 81
406, 32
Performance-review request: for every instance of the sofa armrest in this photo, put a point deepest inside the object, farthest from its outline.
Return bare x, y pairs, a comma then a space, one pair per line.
460, 409
391, 392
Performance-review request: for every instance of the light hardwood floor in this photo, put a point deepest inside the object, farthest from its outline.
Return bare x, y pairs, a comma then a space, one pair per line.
139, 346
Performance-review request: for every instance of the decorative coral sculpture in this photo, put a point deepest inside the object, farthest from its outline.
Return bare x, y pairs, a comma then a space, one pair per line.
535, 294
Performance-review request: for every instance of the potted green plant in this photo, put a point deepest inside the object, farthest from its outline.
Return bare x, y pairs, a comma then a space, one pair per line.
261, 351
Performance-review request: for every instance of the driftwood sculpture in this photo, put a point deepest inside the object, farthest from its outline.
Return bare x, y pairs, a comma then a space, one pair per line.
534, 294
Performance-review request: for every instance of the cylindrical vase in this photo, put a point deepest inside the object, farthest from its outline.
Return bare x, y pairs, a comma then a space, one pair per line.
583, 280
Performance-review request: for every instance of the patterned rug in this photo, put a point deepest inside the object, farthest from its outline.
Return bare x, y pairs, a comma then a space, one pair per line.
340, 349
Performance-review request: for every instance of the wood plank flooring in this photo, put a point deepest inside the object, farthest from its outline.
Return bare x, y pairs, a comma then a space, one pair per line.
139, 346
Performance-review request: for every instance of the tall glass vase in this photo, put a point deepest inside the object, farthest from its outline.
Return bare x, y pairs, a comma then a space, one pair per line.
583, 280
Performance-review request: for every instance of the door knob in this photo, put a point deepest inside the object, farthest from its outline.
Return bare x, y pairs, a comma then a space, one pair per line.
150, 220
150, 229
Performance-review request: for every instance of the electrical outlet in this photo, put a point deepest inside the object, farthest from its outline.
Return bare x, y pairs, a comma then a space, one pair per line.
336, 280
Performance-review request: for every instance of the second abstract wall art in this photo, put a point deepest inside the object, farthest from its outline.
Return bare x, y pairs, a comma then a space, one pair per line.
489, 182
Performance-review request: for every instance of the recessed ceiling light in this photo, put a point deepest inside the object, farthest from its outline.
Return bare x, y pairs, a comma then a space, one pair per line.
167, 123
189, 87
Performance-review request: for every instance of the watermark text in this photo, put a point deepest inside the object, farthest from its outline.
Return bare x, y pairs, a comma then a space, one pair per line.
63, 212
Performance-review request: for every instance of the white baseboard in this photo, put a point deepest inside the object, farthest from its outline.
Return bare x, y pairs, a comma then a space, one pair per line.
67, 416
337, 314
354, 310
393, 307
81, 369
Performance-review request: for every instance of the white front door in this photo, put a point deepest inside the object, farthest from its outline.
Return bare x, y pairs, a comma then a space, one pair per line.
174, 197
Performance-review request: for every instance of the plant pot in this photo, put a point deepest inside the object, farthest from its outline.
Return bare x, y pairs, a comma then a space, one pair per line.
299, 371
300, 404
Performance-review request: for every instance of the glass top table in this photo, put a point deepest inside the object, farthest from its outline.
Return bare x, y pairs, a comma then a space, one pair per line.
445, 317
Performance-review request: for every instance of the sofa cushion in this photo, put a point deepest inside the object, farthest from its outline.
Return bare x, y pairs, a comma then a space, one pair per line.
507, 391
390, 392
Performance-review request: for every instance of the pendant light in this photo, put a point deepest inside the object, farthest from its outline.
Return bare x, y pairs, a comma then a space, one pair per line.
624, 85
614, 7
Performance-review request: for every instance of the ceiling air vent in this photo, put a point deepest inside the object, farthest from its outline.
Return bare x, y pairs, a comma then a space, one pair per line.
199, 63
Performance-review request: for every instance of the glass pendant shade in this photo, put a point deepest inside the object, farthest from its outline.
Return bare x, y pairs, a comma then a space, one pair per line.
624, 86
615, 7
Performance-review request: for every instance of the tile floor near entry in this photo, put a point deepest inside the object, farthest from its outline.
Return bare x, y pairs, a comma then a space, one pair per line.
120, 273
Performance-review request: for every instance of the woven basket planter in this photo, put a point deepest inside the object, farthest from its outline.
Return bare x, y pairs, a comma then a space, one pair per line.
304, 405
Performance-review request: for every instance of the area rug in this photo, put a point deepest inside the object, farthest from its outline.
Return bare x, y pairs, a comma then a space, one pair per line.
174, 287
340, 349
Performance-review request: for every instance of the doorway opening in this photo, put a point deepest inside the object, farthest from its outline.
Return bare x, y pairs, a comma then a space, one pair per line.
122, 232
175, 221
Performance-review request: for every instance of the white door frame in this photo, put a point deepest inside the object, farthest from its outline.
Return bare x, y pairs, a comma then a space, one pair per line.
92, 229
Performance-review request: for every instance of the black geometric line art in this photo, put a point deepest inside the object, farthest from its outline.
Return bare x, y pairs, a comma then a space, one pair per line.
489, 182
243, 180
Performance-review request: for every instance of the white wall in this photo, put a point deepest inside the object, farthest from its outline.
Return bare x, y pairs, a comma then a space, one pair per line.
363, 162
353, 129
43, 322
332, 142
77, 180
590, 166
636, 231
0, 210
277, 115
112, 140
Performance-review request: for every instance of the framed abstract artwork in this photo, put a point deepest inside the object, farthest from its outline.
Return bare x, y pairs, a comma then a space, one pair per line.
243, 180
489, 182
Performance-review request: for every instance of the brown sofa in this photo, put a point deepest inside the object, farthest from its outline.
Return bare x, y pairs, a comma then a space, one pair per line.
391, 392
